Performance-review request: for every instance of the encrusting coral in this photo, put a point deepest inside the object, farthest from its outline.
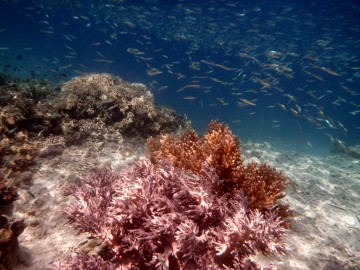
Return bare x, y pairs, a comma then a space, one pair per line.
262, 185
160, 217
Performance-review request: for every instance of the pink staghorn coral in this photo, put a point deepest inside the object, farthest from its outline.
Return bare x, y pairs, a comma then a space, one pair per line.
159, 217
92, 200
84, 261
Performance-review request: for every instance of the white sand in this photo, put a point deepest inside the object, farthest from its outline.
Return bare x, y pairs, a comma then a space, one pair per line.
324, 192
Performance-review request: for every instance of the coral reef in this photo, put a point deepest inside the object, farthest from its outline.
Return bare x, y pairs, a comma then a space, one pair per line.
195, 204
129, 107
39, 121
262, 185
17, 153
90, 107
159, 217
19, 125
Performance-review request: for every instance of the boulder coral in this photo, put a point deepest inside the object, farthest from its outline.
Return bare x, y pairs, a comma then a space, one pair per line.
128, 107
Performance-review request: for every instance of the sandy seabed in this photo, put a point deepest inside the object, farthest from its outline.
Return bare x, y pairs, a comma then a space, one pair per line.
324, 192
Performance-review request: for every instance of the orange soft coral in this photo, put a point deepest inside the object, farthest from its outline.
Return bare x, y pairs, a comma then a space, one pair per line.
219, 147
185, 152
262, 185
222, 150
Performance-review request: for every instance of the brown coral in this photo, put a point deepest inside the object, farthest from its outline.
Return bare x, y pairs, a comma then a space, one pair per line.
18, 126
262, 185
223, 152
184, 152
17, 153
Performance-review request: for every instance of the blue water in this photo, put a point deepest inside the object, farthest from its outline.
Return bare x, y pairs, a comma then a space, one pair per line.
236, 61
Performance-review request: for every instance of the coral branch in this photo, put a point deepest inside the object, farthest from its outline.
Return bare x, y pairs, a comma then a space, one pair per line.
83, 261
159, 217
262, 185
92, 201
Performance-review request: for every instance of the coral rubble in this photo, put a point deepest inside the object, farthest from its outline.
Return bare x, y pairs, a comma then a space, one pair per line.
160, 217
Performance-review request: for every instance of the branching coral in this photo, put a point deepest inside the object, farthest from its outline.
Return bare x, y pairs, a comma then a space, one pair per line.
262, 185
83, 261
92, 200
159, 217
222, 150
219, 148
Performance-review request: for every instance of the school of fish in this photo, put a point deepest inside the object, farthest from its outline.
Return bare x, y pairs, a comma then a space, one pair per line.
255, 59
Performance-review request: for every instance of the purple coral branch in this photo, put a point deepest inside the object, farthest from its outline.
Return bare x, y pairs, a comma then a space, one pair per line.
163, 218
91, 201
